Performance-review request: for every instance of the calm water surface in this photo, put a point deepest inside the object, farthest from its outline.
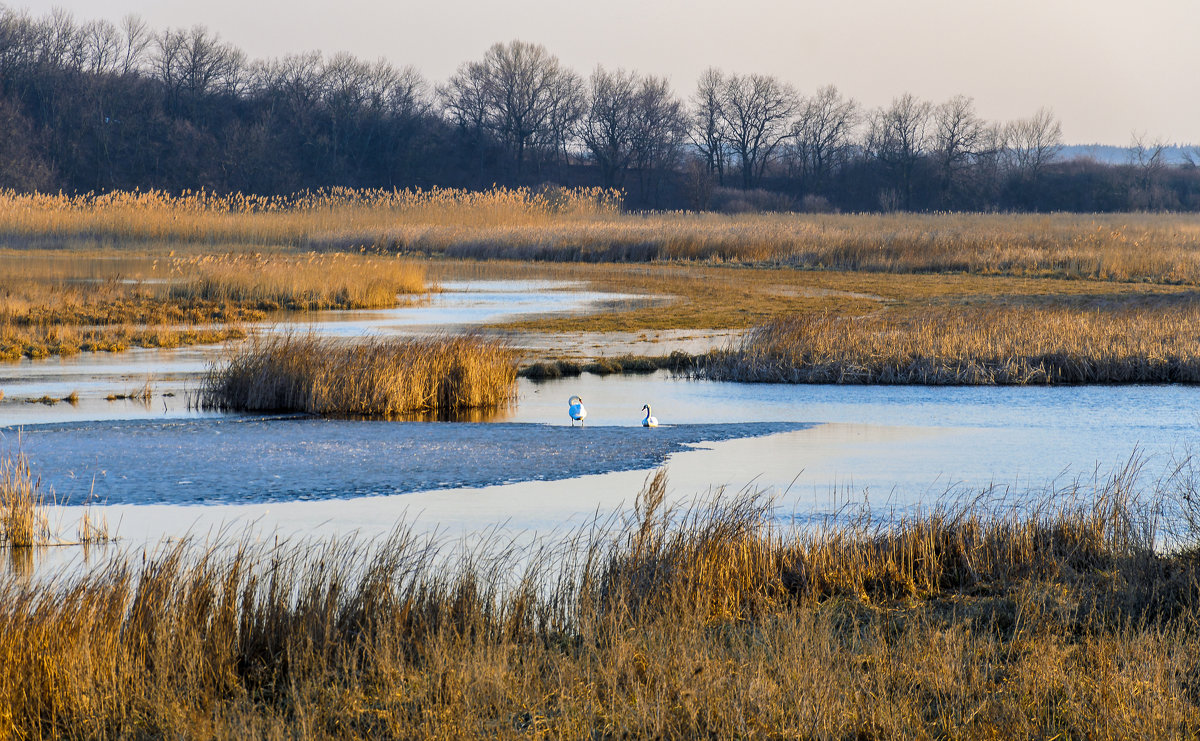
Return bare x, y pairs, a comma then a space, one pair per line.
162, 469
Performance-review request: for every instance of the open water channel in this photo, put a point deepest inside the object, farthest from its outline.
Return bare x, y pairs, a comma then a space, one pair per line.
160, 469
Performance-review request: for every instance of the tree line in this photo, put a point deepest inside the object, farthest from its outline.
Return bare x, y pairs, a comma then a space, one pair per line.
96, 106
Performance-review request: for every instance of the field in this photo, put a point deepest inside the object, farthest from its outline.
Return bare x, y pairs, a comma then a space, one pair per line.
975, 618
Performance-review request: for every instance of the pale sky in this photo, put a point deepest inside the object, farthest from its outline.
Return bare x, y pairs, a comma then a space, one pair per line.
1106, 67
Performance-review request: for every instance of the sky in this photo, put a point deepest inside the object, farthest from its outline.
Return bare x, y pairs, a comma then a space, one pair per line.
1109, 69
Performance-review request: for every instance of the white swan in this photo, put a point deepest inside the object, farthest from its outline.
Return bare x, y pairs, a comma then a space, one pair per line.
649, 421
576, 410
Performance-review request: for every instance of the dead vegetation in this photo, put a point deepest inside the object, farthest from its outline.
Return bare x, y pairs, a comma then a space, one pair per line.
377, 376
975, 619
989, 345
63, 303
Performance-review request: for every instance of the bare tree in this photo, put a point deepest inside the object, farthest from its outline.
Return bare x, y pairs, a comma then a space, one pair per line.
567, 105
959, 135
514, 91
137, 41
607, 129
1148, 161
102, 45
465, 97
822, 135
1033, 143
61, 42
660, 128
194, 63
294, 82
897, 136
706, 127
757, 111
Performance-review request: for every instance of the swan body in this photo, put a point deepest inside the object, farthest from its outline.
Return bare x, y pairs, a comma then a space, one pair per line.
575, 410
649, 421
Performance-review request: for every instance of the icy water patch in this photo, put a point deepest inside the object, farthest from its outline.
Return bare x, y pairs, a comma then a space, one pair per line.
246, 460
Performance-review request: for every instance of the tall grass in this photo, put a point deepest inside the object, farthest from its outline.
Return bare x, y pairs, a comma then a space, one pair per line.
42, 340
23, 520
374, 376
588, 225
337, 217
103, 289
299, 283
972, 345
972, 620
61, 303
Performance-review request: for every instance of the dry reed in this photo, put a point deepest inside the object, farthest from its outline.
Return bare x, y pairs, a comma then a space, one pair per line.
588, 225
23, 520
975, 620
65, 303
113, 288
40, 341
971, 345
373, 376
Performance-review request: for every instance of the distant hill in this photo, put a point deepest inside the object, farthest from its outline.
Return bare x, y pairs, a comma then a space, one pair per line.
1176, 154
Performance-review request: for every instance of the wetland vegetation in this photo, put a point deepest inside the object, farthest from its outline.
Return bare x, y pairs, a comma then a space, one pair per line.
1068, 613
976, 617
63, 301
377, 376
914, 298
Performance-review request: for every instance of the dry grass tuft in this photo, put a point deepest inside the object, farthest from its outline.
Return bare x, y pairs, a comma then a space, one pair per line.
441, 376
23, 520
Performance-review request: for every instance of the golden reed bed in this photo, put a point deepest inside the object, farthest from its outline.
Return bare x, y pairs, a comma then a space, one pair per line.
61, 302
978, 619
377, 376
988, 345
589, 225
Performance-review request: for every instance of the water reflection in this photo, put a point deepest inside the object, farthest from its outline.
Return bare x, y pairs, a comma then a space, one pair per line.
21, 561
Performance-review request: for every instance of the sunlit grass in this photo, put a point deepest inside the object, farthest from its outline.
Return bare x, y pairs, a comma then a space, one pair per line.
62, 303
998, 344
374, 376
41, 341
23, 520
977, 618
589, 225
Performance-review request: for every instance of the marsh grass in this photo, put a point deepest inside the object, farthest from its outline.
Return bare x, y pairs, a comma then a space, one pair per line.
337, 218
66, 302
23, 518
40, 341
375, 376
972, 345
546, 370
114, 287
588, 225
978, 618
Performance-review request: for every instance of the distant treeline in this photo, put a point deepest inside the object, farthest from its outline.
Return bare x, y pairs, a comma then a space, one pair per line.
96, 106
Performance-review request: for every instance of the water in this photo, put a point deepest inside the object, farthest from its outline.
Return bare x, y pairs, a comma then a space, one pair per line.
460, 305
162, 469
890, 444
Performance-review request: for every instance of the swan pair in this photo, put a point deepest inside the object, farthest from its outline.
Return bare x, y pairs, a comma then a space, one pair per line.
577, 412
